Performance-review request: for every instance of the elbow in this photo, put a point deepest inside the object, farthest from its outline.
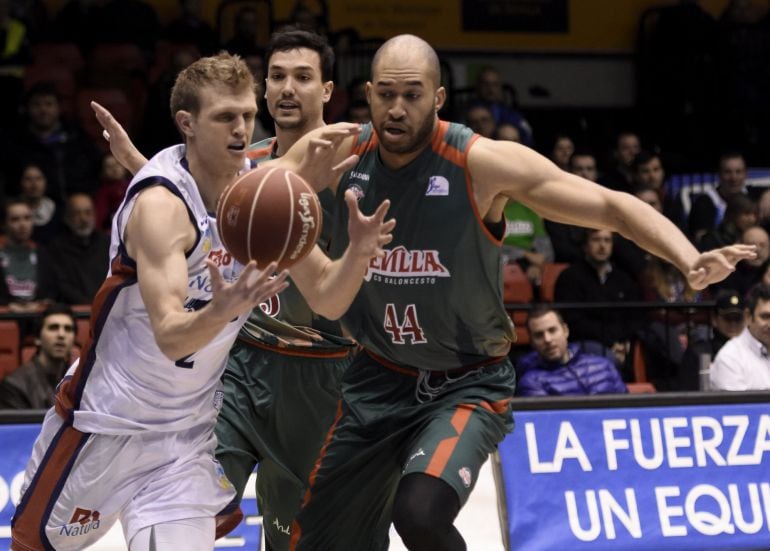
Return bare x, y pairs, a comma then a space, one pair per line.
329, 309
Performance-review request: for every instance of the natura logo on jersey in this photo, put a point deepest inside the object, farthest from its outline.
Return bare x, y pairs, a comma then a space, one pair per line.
400, 266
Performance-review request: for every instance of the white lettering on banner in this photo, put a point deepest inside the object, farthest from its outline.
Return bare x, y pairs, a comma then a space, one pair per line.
568, 446
704, 437
610, 509
700, 502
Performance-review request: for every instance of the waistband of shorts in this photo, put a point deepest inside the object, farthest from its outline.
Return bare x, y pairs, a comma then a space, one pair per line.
414, 372
302, 352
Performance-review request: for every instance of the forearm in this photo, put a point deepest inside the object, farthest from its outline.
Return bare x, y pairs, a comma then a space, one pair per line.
180, 333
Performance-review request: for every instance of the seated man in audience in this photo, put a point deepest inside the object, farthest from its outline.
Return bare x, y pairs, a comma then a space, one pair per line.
742, 363
747, 274
727, 321
595, 278
557, 368
81, 254
33, 385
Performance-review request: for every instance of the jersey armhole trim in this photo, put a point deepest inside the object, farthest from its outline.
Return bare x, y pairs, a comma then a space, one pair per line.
472, 198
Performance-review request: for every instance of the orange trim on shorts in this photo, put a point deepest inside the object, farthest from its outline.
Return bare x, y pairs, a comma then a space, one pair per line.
300, 353
447, 446
296, 530
29, 525
499, 407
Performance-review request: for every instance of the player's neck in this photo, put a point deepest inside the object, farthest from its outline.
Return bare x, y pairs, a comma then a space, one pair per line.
211, 181
287, 137
394, 161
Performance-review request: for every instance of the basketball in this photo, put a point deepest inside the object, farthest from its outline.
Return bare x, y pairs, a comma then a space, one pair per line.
269, 214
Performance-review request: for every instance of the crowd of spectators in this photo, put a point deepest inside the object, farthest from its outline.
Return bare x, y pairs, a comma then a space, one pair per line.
59, 186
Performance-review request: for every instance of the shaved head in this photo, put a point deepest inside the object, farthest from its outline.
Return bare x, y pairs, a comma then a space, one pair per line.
408, 50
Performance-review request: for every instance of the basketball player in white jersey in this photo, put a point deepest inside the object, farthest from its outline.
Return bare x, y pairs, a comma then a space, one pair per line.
131, 436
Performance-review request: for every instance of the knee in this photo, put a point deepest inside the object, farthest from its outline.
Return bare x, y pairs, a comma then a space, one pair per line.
424, 507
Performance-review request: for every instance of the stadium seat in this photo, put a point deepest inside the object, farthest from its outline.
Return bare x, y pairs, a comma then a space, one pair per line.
65, 55
9, 347
124, 57
551, 271
516, 287
641, 388
639, 364
113, 99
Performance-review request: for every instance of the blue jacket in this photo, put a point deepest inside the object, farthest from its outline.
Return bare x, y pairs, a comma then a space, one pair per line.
582, 374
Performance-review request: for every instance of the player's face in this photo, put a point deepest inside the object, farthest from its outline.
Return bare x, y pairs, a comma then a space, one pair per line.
295, 90
57, 336
549, 337
404, 101
222, 128
18, 222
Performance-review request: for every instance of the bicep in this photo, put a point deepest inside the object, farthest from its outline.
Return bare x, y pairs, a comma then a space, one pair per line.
515, 171
159, 250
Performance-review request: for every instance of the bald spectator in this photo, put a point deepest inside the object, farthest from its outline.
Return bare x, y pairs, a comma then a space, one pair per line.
81, 254
507, 131
490, 91
32, 386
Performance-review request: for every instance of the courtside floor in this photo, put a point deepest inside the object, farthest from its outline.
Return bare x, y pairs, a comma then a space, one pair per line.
478, 521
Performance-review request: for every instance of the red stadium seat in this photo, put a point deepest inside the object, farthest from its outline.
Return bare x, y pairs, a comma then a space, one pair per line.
114, 100
639, 364
641, 388
9, 347
551, 271
64, 55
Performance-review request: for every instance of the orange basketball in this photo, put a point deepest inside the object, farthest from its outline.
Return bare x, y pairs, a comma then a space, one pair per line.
269, 214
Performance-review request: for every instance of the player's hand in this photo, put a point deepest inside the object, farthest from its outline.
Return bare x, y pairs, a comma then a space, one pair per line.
713, 266
253, 286
121, 146
318, 166
368, 234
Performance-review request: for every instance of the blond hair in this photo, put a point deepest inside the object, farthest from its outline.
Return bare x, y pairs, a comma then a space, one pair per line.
221, 69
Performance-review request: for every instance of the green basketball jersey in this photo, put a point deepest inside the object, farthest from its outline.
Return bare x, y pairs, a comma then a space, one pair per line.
286, 321
434, 301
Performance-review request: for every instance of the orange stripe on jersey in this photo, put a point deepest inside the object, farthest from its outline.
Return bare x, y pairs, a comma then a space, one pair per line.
499, 407
449, 152
296, 531
31, 517
261, 153
368, 145
67, 397
447, 446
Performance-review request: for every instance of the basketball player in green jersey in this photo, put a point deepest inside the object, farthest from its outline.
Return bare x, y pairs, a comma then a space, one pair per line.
282, 378
429, 396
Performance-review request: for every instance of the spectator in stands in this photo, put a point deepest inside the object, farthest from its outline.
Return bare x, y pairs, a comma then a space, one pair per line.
80, 254
67, 157
507, 131
743, 363
727, 321
480, 119
594, 278
45, 213
33, 384
26, 268
567, 240
708, 208
490, 91
191, 28
620, 176
629, 256
746, 276
525, 240
112, 187
647, 171
562, 150
244, 38
557, 368
740, 214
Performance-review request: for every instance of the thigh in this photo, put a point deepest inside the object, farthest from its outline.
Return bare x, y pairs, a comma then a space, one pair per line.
77, 485
196, 534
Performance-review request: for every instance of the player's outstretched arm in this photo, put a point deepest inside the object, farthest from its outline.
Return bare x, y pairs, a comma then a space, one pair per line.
321, 156
121, 146
159, 251
510, 169
330, 286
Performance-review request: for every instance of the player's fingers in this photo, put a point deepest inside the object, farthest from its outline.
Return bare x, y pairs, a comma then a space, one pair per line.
387, 227
345, 165
385, 239
382, 210
352, 202
319, 143
217, 281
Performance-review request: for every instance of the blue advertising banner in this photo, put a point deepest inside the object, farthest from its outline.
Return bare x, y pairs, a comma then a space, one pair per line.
652, 478
16, 444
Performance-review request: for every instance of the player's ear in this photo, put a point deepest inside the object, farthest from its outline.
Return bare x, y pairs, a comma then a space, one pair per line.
368, 90
184, 122
439, 98
328, 88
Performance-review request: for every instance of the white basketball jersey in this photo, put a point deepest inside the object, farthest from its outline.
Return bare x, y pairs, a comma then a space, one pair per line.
124, 383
